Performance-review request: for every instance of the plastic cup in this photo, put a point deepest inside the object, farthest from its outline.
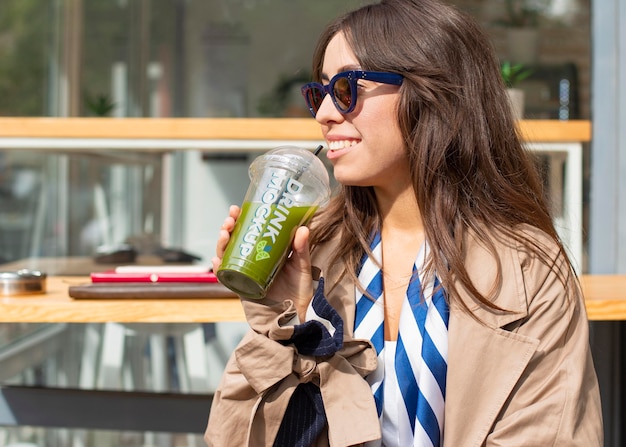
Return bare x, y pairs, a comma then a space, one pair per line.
288, 184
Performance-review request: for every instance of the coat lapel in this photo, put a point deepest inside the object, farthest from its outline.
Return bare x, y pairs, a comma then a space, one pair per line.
485, 358
484, 363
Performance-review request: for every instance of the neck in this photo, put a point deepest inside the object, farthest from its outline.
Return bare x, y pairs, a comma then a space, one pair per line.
399, 210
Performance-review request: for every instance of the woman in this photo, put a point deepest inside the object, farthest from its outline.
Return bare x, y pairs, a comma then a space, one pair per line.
445, 310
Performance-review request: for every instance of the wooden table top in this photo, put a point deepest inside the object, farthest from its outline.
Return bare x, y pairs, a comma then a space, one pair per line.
605, 298
56, 306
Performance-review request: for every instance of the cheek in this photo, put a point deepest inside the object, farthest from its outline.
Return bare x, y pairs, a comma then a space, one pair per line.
382, 125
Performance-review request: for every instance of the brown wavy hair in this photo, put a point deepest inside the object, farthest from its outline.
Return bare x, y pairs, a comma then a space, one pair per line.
469, 168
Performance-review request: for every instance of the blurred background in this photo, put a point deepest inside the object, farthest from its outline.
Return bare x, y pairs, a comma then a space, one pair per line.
231, 58
199, 58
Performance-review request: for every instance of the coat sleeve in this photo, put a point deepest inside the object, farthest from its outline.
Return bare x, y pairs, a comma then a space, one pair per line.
281, 368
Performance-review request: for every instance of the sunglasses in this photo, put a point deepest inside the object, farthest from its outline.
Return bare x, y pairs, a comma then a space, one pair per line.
343, 89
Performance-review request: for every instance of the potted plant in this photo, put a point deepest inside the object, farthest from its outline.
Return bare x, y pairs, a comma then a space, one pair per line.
512, 75
100, 105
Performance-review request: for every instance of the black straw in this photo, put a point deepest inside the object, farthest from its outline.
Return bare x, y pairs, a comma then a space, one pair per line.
318, 150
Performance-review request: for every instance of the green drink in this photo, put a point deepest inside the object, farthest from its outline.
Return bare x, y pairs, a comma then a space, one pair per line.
266, 241
288, 185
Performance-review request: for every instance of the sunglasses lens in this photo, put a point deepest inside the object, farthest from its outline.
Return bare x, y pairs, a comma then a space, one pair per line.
342, 92
314, 97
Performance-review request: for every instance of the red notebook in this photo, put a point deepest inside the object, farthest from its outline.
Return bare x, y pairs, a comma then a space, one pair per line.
157, 275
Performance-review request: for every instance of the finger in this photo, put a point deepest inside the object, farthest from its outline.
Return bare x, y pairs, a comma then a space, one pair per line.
228, 224
301, 239
234, 211
233, 214
216, 263
301, 257
222, 242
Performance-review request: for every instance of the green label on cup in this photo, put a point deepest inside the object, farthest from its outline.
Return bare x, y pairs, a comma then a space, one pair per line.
260, 251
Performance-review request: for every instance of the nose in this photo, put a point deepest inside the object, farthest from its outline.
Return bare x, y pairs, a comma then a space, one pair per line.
328, 112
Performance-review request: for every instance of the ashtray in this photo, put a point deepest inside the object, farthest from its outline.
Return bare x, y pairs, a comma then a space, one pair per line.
22, 282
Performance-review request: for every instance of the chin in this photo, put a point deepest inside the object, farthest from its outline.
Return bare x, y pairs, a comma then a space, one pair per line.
349, 175
351, 181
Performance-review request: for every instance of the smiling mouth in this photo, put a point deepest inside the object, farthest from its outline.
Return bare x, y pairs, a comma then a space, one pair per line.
341, 144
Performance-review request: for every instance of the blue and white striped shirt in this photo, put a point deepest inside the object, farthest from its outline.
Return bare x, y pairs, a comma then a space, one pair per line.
410, 382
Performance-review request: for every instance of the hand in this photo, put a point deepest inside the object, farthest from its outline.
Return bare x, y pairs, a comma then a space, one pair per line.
294, 280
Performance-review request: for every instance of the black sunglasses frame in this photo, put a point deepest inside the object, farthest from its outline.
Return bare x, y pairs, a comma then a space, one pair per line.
310, 90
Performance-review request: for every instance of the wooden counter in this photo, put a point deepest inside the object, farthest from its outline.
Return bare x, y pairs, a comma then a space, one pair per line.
605, 299
209, 133
605, 296
56, 306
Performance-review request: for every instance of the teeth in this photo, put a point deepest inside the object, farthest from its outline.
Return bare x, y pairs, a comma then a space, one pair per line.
335, 145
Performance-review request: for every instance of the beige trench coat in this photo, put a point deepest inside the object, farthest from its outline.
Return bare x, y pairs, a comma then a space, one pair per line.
518, 378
